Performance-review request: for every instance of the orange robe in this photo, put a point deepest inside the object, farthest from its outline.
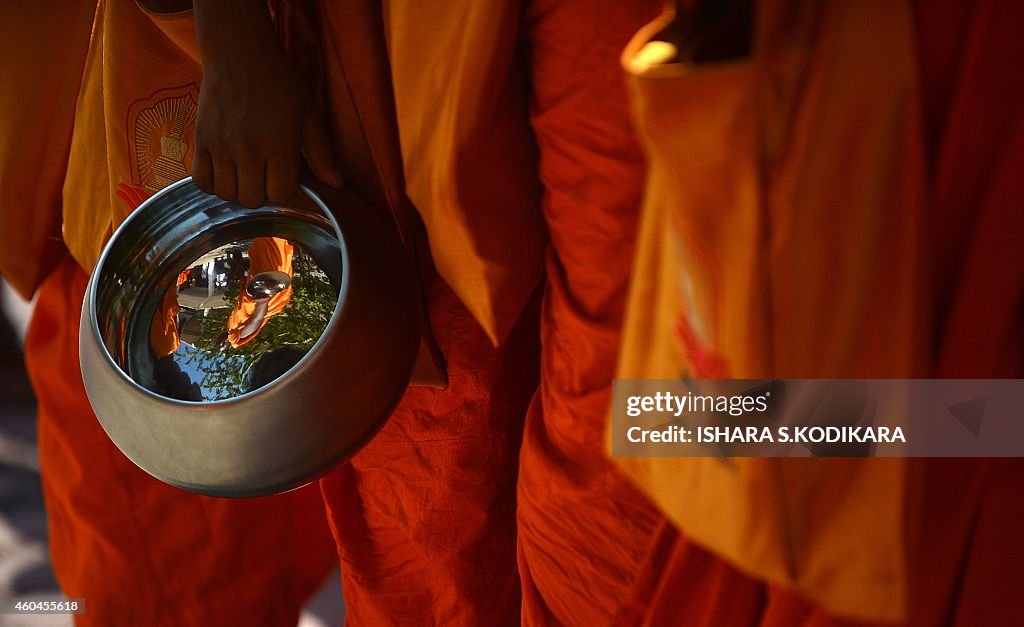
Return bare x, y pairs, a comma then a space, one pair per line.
140, 551
584, 528
38, 87
873, 249
265, 254
424, 516
164, 337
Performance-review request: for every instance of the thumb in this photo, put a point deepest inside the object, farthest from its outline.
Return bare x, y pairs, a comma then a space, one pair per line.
316, 148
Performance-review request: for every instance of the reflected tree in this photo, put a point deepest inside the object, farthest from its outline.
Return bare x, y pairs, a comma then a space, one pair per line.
229, 370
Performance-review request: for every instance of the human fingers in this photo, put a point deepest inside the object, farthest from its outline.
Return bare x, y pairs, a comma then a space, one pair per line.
282, 176
202, 170
252, 180
225, 184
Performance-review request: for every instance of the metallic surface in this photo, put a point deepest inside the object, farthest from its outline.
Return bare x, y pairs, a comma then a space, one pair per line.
238, 352
231, 317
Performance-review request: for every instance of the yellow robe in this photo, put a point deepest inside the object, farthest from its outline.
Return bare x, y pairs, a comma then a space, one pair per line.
781, 237
43, 46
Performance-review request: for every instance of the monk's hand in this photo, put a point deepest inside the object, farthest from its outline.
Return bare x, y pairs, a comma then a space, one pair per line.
256, 120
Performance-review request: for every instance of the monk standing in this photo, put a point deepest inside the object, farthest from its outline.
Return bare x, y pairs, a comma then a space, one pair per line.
424, 516
839, 201
96, 113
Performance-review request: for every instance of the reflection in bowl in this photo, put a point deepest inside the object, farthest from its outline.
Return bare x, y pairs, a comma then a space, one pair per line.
229, 308
237, 352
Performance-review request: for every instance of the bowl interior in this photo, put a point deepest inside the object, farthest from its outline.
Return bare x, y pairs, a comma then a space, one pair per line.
203, 300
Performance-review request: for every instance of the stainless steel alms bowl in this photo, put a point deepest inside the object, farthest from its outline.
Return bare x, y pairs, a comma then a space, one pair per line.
240, 352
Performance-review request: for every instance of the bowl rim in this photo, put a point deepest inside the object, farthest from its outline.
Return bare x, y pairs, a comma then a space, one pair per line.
339, 306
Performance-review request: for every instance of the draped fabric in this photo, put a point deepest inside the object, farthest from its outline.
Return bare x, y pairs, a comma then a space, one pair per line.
823, 209
266, 254
424, 516
39, 84
143, 552
844, 202
584, 528
140, 551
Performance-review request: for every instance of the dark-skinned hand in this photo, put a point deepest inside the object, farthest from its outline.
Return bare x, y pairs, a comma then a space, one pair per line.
256, 121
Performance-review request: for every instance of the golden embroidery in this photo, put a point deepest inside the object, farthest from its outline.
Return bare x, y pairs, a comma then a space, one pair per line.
164, 129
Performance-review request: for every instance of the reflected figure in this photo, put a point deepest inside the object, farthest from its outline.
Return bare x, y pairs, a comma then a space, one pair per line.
165, 340
164, 337
269, 257
261, 288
